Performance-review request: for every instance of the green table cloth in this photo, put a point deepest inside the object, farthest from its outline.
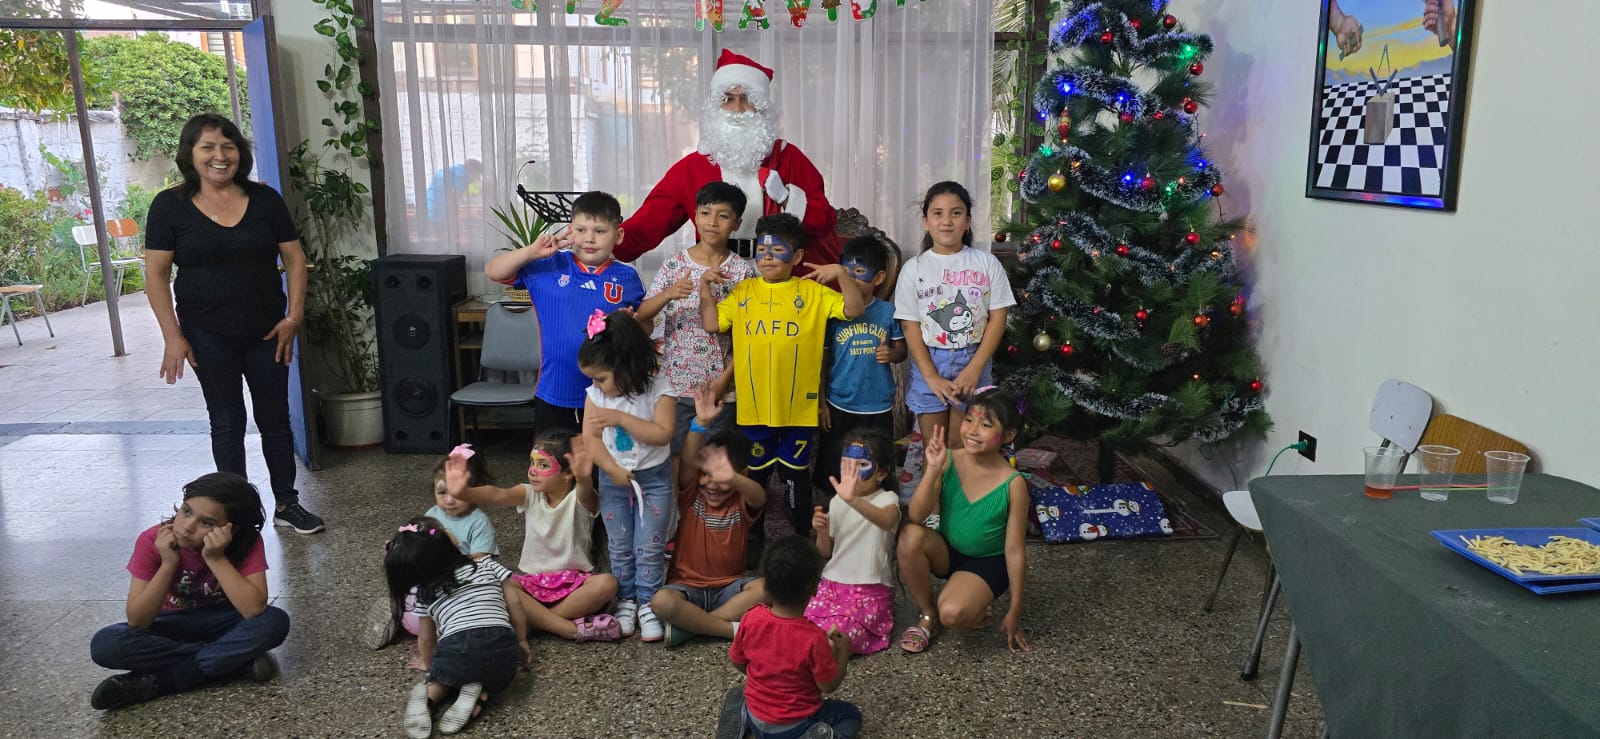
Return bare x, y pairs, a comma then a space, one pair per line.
1409, 639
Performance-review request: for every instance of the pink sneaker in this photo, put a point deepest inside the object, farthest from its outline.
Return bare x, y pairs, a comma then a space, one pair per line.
599, 627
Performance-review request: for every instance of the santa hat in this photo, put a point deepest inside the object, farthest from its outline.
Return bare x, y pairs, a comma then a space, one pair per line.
741, 71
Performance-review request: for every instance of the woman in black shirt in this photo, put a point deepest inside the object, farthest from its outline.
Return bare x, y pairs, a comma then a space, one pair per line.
226, 234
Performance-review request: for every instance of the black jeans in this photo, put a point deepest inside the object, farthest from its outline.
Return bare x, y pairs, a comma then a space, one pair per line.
185, 649
221, 363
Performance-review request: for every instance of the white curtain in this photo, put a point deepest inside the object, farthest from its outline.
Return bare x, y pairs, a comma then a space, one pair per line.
885, 107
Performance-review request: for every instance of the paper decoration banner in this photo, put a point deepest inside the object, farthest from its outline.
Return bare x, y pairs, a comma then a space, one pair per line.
711, 12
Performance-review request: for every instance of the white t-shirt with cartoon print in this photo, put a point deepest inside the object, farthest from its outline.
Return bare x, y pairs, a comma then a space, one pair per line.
951, 295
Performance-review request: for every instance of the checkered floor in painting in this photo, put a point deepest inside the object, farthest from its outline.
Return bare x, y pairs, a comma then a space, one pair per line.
1408, 162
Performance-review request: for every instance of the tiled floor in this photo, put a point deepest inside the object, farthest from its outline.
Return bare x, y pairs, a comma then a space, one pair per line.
1120, 646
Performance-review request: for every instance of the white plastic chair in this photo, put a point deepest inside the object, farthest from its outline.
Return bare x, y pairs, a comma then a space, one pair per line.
121, 232
1400, 413
510, 345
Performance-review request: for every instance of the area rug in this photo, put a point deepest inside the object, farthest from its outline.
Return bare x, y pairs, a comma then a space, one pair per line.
1077, 463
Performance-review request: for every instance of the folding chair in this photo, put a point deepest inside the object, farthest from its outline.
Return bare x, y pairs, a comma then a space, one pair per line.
510, 345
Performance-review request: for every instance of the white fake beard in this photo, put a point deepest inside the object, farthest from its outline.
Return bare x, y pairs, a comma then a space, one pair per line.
737, 141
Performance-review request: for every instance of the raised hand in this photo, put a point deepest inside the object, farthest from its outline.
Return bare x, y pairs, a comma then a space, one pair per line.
455, 475
167, 544
543, 246
933, 452
217, 541
849, 477
580, 459
825, 273
717, 466
707, 405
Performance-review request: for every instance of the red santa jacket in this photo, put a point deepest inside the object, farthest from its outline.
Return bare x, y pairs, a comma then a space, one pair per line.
671, 203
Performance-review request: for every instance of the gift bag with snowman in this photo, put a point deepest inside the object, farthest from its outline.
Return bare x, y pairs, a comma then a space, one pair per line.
1089, 512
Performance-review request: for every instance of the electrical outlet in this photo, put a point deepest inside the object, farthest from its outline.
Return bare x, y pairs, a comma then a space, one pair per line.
1310, 452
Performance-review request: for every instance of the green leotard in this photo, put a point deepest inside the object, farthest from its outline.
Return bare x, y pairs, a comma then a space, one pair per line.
974, 529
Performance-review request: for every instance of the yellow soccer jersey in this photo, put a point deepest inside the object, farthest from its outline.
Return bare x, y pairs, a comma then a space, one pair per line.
778, 332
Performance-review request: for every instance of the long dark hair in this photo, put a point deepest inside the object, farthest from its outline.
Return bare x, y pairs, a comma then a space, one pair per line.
421, 556
241, 504
624, 348
191, 136
947, 188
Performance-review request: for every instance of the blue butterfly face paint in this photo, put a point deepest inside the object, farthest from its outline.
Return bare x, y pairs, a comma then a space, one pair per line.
771, 246
858, 270
859, 452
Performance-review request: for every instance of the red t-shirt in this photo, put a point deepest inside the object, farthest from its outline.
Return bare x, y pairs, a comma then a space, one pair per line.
711, 541
784, 660
193, 586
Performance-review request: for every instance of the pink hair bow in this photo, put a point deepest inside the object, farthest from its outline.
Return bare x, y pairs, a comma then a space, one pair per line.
463, 451
597, 322
411, 527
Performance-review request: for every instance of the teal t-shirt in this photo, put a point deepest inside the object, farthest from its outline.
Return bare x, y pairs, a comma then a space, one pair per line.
474, 530
857, 383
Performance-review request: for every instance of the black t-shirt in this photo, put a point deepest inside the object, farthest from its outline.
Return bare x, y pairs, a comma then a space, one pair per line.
228, 281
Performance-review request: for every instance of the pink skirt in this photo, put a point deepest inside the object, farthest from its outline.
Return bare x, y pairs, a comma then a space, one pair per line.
550, 588
864, 613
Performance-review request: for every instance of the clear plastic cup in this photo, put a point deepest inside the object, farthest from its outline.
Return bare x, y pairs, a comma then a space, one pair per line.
1438, 467
1504, 471
1383, 466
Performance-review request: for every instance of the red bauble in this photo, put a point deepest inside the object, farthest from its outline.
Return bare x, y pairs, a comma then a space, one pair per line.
1135, 23
1063, 128
1126, 117
1055, 244
1011, 349
1196, 68
1107, 38
1257, 386
1236, 308
1037, 238
1098, 309
1000, 237
1066, 348
1158, 115
1122, 250
1190, 106
1216, 189
1202, 320
1141, 315
1169, 21
1193, 238
1148, 183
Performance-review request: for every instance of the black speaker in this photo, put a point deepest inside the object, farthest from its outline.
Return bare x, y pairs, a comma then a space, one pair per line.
416, 297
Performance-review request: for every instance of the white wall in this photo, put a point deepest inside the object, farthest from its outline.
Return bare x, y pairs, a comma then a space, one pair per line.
1491, 309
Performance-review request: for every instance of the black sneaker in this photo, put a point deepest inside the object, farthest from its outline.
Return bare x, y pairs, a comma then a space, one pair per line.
818, 731
122, 690
730, 722
260, 669
298, 518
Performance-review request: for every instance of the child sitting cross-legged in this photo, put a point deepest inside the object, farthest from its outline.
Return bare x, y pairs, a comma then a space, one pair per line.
560, 591
707, 591
788, 661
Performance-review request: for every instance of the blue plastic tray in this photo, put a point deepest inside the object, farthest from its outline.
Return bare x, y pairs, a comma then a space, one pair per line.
1541, 584
1593, 523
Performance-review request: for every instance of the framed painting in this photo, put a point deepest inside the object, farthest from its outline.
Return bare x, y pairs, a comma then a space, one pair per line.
1391, 85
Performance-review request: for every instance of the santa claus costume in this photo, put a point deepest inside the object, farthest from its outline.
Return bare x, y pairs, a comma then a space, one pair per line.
743, 149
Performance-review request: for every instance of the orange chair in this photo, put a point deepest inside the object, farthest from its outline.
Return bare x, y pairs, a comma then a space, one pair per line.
125, 251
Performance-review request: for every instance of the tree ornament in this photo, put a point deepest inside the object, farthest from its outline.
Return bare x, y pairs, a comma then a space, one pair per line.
1041, 341
1196, 68
1055, 244
1190, 106
1148, 183
1257, 386
1169, 21
1066, 348
1183, 180
1057, 182
1076, 163
1107, 37
1216, 190
1236, 308
1141, 316
1159, 115
1063, 127
1125, 117
1037, 238
1098, 310
1122, 250
1202, 320
1000, 237
1012, 349
1193, 238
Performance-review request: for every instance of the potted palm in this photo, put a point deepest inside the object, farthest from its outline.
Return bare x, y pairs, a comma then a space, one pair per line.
339, 309
520, 226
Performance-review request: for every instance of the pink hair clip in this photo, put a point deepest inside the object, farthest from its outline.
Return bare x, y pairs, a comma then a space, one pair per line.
411, 527
986, 388
597, 322
462, 451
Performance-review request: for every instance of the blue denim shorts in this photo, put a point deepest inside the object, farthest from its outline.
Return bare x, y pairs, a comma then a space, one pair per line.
710, 599
949, 363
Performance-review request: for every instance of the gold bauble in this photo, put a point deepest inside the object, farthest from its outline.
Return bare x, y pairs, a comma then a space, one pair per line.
1041, 341
1057, 182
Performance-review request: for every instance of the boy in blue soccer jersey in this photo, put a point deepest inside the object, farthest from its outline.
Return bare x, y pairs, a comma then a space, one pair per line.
568, 278
859, 372
779, 325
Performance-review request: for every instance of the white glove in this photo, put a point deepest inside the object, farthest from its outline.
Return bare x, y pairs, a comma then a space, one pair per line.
775, 188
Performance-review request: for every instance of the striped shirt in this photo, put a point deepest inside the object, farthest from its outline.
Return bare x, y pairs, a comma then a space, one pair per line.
476, 603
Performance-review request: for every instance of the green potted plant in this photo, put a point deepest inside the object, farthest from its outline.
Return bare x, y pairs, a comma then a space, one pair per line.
339, 308
520, 226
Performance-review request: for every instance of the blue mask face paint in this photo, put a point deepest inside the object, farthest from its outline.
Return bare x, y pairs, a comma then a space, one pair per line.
860, 453
858, 270
768, 245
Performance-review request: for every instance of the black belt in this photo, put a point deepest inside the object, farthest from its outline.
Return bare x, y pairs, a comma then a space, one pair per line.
743, 247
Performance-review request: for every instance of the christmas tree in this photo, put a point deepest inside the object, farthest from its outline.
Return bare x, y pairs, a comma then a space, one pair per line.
1131, 323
